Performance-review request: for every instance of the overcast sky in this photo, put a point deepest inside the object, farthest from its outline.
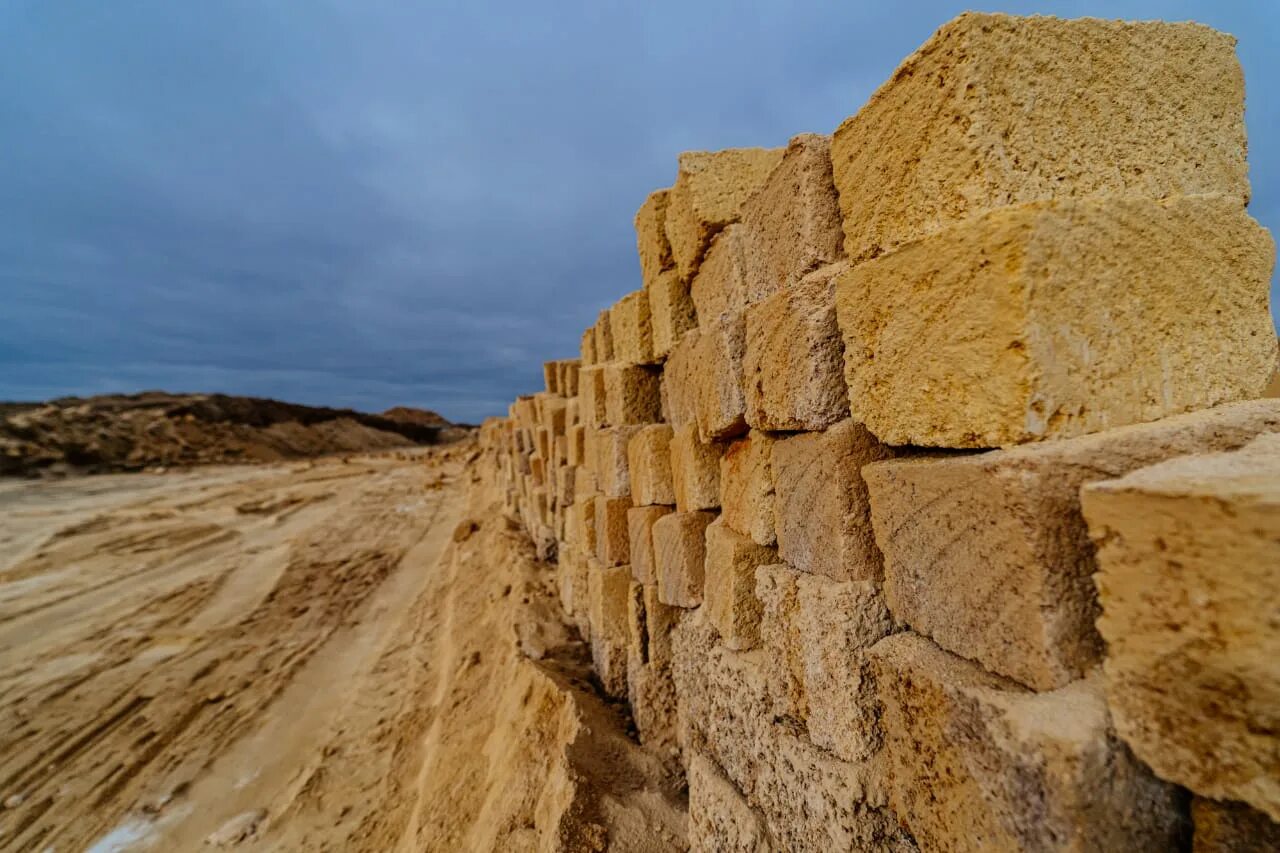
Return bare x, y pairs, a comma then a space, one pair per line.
369, 204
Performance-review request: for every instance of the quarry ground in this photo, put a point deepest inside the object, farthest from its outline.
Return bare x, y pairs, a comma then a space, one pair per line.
296, 656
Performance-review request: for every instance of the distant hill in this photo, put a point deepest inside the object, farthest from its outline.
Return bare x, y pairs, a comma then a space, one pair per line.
128, 432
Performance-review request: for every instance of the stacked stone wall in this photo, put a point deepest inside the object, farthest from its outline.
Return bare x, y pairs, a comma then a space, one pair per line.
921, 496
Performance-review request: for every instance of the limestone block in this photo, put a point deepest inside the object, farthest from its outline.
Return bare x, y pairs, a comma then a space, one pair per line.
565, 477
979, 763
1227, 827
604, 338
591, 389
671, 311
551, 376
651, 238
612, 472
721, 404
610, 589
1055, 319
720, 287
632, 329
632, 394
587, 349
574, 585
809, 799
572, 412
988, 553
650, 688
695, 470
793, 223
793, 367
679, 556
640, 521
575, 447
682, 379
1189, 582
746, 487
660, 621
783, 651
582, 616
649, 461
995, 110
613, 539
710, 190
553, 412
568, 380
729, 584
821, 511
720, 819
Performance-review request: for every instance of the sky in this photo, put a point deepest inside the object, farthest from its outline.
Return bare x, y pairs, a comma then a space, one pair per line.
366, 204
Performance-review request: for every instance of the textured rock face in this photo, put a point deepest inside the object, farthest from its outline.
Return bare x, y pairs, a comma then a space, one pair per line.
821, 509
988, 553
721, 820
720, 287
609, 449
746, 487
670, 310
1018, 770
695, 470
613, 537
793, 367
609, 589
651, 238
679, 553
632, 329
1055, 319
792, 223
1189, 581
651, 689
632, 394
729, 592
995, 110
604, 338
640, 521
649, 462
1232, 828
710, 190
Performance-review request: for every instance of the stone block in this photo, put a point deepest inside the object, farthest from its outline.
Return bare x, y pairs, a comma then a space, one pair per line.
649, 461
1189, 583
977, 762
792, 224
973, 120
611, 468
988, 553
1059, 318
746, 487
821, 511
569, 376
650, 687
594, 401
587, 349
679, 555
720, 287
720, 819
695, 470
793, 366
783, 652
1227, 827
710, 190
671, 311
604, 338
575, 446
651, 238
632, 394
729, 584
551, 376
610, 590
632, 329
640, 521
613, 539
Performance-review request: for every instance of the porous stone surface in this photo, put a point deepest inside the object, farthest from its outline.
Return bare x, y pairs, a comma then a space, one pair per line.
640, 521
996, 110
729, 590
1229, 827
710, 190
651, 690
609, 446
632, 329
780, 642
587, 348
679, 554
671, 311
720, 819
720, 287
695, 470
793, 365
651, 238
613, 538
988, 553
1016, 770
1059, 318
792, 223
746, 487
1189, 582
632, 394
822, 514
609, 589
594, 400
721, 404
649, 461
604, 338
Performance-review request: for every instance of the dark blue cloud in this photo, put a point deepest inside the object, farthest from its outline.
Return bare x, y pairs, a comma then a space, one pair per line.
368, 204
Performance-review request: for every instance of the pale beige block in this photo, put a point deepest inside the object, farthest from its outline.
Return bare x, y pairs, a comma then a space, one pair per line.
721, 404
587, 349
671, 311
604, 338
632, 394
613, 475
1227, 827
793, 366
595, 412
613, 539
710, 190
649, 462
651, 691
720, 286
821, 510
551, 377
996, 110
682, 379
1189, 582
609, 589
651, 238
568, 380
1061, 318
632, 329
679, 553
660, 621
783, 653
746, 487
640, 521
695, 470
988, 553
792, 223
720, 818
575, 446
979, 763
565, 479
729, 584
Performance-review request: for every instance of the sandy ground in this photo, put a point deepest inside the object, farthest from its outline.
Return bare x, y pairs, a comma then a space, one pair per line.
300, 657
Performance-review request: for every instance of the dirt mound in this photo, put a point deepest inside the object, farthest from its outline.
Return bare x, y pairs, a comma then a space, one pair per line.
137, 431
